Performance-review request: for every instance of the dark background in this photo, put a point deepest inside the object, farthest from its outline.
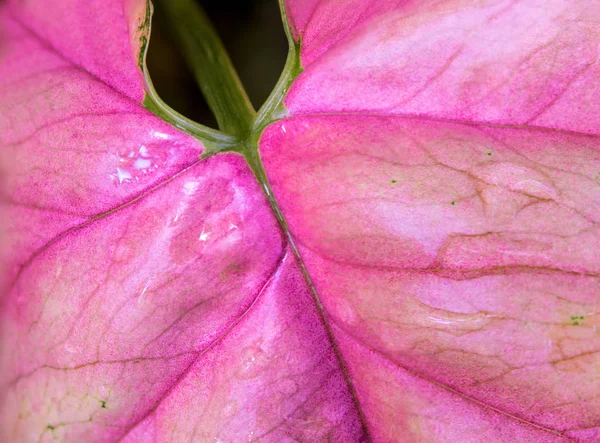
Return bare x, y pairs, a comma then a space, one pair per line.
253, 35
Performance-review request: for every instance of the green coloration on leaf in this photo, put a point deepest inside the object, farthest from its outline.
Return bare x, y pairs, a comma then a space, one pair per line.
577, 320
144, 45
145, 24
273, 108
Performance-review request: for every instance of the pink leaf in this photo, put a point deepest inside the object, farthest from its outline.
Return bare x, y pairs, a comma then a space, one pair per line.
439, 173
101, 37
513, 62
455, 260
135, 269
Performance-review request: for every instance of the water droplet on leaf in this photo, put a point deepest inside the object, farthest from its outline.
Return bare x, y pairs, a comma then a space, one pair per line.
253, 362
288, 387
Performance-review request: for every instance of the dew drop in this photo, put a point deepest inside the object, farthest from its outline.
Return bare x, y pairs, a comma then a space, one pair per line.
72, 349
346, 312
161, 135
204, 235
288, 387
229, 410
253, 362
142, 163
121, 176
190, 187
104, 391
123, 252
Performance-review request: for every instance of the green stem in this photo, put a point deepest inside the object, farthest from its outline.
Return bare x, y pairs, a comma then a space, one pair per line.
213, 140
273, 108
212, 67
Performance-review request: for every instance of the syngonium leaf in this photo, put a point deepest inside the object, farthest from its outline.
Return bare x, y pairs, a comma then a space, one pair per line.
438, 170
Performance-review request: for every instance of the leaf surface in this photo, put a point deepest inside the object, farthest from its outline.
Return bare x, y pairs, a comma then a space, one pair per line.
510, 62
138, 271
439, 173
464, 281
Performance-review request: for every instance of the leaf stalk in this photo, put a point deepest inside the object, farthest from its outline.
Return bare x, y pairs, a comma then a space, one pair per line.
211, 65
